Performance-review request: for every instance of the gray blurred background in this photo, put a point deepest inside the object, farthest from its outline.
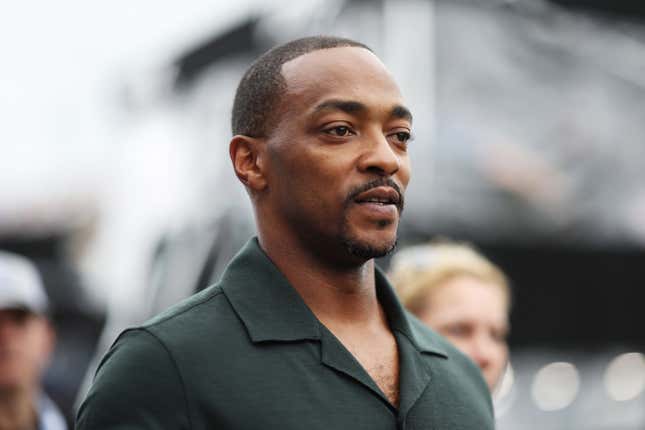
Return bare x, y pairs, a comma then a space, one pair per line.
530, 142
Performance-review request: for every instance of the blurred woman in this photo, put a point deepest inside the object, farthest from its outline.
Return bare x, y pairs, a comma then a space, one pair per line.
462, 296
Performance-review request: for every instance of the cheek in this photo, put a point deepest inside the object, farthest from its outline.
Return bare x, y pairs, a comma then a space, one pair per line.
27, 359
405, 171
313, 191
318, 187
501, 353
39, 344
304, 172
498, 358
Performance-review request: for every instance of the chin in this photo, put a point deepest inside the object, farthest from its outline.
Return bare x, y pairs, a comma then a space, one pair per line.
369, 240
368, 249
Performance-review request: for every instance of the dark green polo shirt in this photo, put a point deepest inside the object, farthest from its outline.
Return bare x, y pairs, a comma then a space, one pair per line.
247, 353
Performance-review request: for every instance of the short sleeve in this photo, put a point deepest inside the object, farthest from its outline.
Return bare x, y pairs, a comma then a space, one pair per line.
137, 386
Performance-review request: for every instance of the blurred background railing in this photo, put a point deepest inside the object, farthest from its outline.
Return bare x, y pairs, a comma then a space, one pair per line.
530, 142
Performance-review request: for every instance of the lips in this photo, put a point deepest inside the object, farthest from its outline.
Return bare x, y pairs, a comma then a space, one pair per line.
382, 195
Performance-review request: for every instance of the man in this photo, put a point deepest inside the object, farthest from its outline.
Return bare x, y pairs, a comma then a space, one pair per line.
301, 332
26, 343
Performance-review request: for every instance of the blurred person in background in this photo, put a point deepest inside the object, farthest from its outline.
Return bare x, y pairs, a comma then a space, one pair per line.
302, 331
26, 342
462, 295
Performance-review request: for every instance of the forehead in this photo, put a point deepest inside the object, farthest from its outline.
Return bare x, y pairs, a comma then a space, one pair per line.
470, 296
347, 72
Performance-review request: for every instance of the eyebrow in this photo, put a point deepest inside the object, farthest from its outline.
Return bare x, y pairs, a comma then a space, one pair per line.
401, 112
353, 107
347, 106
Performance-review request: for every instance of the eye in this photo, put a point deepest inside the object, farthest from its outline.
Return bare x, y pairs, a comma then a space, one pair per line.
457, 330
18, 316
339, 131
402, 137
499, 336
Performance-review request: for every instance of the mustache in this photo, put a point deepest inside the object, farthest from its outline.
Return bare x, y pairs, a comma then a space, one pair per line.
380, 182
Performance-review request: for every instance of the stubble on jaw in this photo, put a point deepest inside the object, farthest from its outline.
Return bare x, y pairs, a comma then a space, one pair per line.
359, 248
366, 251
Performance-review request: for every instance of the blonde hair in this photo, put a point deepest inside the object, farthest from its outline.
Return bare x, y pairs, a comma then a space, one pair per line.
418, 270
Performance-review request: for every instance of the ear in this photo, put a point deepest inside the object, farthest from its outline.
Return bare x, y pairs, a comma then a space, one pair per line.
247, 155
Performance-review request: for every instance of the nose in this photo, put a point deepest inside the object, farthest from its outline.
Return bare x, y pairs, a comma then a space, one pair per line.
379, 156
482, 351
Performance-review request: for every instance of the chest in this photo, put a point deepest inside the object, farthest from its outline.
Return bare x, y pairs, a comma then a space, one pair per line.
380, 359
291, 388
319, 384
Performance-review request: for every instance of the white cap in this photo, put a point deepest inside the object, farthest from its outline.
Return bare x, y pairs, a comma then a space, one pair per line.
20, 284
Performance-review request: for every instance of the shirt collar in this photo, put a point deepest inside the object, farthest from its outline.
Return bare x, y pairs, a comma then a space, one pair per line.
272, 310
402, 321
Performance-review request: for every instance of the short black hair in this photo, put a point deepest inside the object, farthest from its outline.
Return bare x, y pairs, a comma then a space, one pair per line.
262, 85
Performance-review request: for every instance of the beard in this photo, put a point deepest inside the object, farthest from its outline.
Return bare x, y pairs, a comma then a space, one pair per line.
367, 251
361, 248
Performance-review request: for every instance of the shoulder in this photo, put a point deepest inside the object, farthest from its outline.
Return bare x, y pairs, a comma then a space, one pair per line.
197, 324
136, 365
155, 358
191, 307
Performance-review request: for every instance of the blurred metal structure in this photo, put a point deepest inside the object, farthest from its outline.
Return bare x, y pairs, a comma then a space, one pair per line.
538, 126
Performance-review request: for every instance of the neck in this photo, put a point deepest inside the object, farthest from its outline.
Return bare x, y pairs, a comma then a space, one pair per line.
17, 410
338, 294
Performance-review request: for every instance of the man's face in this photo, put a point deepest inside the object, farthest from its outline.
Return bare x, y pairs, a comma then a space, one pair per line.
338, 162
26, 341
